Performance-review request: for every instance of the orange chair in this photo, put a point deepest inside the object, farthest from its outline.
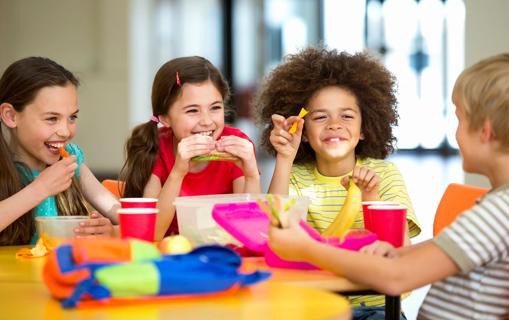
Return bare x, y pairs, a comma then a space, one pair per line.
456, 199
114, 186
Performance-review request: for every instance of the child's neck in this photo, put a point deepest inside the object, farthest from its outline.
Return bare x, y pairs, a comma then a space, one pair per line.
498, 170
336, 168
20, 155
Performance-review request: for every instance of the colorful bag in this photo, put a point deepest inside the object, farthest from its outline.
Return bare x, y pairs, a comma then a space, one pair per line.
88, 271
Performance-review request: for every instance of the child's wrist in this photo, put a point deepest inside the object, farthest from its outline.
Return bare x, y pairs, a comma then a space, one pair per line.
38, 188
306, 250
285, 158
176, 175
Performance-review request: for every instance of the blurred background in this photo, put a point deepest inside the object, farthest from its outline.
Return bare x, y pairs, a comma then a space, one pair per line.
116, 46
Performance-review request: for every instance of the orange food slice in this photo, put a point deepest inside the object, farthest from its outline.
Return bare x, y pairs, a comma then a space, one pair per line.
63, 153
40, 250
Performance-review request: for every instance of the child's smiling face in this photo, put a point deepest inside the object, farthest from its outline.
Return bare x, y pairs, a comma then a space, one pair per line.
333, 125
44, 125
198, 110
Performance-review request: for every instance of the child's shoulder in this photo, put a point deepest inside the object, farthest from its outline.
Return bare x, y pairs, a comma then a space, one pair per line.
76, 150
303, 168
376, 163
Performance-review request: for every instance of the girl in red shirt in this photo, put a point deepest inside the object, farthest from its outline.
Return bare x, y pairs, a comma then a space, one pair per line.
188, 103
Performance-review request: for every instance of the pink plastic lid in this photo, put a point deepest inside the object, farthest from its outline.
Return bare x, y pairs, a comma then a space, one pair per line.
245, 221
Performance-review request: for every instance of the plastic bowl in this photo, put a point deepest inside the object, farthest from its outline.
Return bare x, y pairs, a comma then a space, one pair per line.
194, 216
58, 229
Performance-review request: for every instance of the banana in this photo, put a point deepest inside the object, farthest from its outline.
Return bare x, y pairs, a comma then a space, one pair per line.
346, 217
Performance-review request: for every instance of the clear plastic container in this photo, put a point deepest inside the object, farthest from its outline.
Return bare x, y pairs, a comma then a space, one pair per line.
194, 214
57, 229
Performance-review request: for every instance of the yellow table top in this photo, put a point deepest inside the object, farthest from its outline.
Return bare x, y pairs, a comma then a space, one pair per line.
24, 296
317, 279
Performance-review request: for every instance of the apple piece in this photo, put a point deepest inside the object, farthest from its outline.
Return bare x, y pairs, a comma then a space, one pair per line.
175, 245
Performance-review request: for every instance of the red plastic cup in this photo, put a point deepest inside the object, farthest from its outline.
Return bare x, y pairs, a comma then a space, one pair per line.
388, 222
138, 202
367, 214
138, 223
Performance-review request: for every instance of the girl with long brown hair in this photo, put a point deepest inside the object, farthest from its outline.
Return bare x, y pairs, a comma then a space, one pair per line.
188, 103
39, 109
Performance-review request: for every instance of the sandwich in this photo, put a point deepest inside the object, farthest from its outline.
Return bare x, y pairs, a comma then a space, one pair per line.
216, 156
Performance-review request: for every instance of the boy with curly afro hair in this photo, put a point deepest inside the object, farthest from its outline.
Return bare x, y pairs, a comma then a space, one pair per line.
352, 105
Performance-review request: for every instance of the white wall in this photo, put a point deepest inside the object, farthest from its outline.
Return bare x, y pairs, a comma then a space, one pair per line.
90, 39
487, 25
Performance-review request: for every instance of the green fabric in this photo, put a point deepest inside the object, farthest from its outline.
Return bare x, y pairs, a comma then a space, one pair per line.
142, 251
130, 279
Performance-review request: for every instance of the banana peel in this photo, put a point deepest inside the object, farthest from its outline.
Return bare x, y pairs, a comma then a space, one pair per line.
346, 217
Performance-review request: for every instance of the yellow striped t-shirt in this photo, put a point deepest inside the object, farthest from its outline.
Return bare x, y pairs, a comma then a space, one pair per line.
327, 195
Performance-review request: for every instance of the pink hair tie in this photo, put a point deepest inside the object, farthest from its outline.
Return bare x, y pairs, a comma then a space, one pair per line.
178, 80
154, 119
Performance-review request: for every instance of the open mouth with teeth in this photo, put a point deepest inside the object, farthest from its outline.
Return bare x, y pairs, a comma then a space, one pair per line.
54, 147
334, 140
209, 133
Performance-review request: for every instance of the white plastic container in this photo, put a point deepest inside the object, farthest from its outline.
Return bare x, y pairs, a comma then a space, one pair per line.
195, 222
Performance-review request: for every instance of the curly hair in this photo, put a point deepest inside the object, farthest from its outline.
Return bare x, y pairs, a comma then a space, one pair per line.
292, 84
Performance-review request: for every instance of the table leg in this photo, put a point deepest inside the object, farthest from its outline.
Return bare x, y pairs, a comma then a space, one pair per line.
392, 307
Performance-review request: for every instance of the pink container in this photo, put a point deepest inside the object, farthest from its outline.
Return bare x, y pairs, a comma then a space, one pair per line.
366, 213
249, 224
138, 203
389, 223
138, 223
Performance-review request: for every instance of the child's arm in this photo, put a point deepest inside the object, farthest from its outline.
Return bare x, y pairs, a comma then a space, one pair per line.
286, 146
98, 196
166, 195
187, 148
418, 266
369, 182
52, 180
243, 149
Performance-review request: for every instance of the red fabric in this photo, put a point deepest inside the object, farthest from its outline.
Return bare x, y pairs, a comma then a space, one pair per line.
216, 178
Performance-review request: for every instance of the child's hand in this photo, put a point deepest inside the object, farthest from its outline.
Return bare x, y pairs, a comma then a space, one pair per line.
289, 243
57, 177
192, 146
367, 180
285, 143
241, 148
380, 248
96, 226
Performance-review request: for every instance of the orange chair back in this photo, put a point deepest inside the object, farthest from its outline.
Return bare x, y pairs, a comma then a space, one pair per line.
456, 199
114, 186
